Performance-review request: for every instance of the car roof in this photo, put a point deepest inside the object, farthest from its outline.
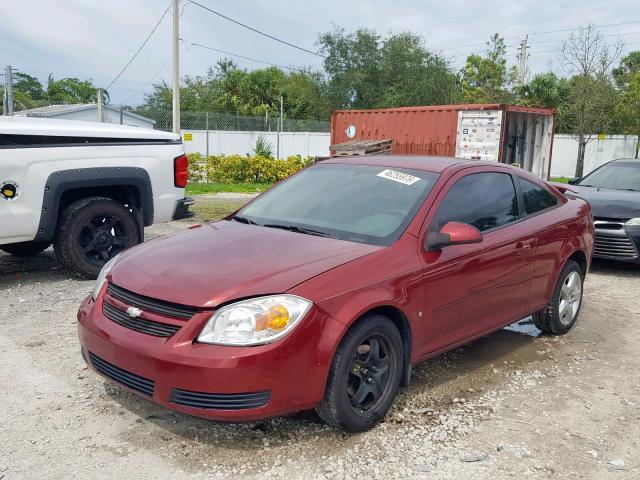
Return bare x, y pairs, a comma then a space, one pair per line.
415, 162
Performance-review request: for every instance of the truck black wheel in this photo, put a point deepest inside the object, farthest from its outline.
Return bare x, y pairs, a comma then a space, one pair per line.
91, 231
364, 377
25, 249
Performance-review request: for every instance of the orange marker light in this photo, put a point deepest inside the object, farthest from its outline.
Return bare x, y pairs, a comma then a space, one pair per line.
278, 317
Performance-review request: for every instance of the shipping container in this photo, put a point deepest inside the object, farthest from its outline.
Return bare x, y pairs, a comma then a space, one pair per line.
496, 132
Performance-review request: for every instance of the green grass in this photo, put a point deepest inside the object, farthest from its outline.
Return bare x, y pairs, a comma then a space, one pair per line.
560, 179
200, 188
210, 212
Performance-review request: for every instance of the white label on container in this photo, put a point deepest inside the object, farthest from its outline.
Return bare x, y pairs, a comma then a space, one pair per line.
398, 177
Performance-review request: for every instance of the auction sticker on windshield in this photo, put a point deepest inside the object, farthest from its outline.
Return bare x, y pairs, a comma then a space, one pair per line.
398, 177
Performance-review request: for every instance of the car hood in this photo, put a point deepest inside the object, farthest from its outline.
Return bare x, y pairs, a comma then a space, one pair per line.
610, 203
217, 262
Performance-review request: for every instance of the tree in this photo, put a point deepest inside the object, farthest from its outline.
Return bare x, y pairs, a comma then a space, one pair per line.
487, 79
628, 108
365, 70
544, 90
629, 66
591, 98
27, 91
72, 90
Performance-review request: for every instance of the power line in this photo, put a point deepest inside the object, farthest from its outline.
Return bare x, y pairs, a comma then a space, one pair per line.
540, 33
603, 36
256, 30
596, 26
241, 56
146, 40
124, 102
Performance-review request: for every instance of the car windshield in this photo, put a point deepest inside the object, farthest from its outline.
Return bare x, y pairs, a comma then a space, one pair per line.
616, 175
360, 203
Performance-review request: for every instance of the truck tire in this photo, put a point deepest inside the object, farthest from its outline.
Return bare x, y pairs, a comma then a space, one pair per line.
90, 232
25, 249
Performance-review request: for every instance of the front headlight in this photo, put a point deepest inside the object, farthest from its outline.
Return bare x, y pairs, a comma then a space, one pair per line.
633, 221
102, 277
255, 321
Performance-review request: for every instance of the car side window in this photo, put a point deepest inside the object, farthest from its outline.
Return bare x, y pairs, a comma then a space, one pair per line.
485, 200
535, 197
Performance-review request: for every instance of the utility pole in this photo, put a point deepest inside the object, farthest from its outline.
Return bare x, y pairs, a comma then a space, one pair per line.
176, 67
8, 90
523, 56
280, 127
100, 103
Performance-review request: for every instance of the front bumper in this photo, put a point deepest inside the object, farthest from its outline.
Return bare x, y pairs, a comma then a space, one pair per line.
232, 384
182, 208
617, 241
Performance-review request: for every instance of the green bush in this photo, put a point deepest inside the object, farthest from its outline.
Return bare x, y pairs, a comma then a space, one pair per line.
239, 169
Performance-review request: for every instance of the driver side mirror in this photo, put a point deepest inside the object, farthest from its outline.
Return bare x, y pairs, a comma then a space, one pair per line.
453, 233
574, 181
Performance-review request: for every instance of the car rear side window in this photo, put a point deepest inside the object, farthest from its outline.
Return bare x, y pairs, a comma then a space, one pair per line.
535, 197
484, 200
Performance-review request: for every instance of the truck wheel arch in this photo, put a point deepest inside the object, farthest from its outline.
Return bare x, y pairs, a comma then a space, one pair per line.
127, 184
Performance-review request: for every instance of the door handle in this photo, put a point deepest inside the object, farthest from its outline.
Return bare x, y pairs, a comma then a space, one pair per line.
522, 249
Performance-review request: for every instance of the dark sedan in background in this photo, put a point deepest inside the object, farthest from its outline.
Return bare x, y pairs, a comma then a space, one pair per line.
613, 190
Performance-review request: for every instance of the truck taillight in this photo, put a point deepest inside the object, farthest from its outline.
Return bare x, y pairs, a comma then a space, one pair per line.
180, 171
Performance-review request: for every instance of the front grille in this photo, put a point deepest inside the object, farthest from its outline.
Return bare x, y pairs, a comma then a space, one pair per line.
138, 324
168, 309
219, 401
617, 246
131, 380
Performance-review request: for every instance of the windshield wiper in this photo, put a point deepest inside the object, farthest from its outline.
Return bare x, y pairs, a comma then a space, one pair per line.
297, 229
241, 219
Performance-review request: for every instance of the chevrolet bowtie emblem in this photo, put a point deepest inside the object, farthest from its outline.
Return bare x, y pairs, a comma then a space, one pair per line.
134, 312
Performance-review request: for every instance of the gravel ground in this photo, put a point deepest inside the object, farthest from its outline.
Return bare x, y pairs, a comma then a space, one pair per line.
510, 405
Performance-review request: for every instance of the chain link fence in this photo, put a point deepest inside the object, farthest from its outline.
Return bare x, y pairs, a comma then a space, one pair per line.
207, 133
190, 120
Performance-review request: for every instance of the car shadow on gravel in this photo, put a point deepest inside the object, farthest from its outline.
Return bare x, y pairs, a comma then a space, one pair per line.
465, 372
625, 269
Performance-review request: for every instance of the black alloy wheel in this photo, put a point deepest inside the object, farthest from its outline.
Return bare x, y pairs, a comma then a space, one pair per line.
365, 375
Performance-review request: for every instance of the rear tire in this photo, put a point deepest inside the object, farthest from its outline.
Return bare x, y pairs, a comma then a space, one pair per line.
561, 314
25, 249
90, 232
364, 377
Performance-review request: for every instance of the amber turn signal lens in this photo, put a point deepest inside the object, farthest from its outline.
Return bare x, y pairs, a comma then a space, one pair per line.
278, 317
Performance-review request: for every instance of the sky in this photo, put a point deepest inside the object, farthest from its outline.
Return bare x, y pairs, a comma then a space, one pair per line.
95, 39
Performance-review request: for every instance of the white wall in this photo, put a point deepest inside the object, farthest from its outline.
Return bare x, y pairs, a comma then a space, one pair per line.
311, 144
307, 144
565, 152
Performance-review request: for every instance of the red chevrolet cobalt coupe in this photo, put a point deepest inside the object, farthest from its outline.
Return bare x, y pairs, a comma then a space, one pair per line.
325, 290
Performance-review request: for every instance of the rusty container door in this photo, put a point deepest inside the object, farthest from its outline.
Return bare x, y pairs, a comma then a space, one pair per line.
413, 130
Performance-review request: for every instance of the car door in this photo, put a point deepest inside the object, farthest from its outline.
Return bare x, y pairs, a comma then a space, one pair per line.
542, 217
470, 289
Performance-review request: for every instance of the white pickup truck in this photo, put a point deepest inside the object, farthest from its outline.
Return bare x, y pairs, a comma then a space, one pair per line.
88, 188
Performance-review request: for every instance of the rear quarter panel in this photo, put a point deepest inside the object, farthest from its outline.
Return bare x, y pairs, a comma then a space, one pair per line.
560, 233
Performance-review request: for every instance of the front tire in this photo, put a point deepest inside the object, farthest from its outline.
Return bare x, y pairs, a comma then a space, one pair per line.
364, 377
25, 249
561, 314
90, 232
